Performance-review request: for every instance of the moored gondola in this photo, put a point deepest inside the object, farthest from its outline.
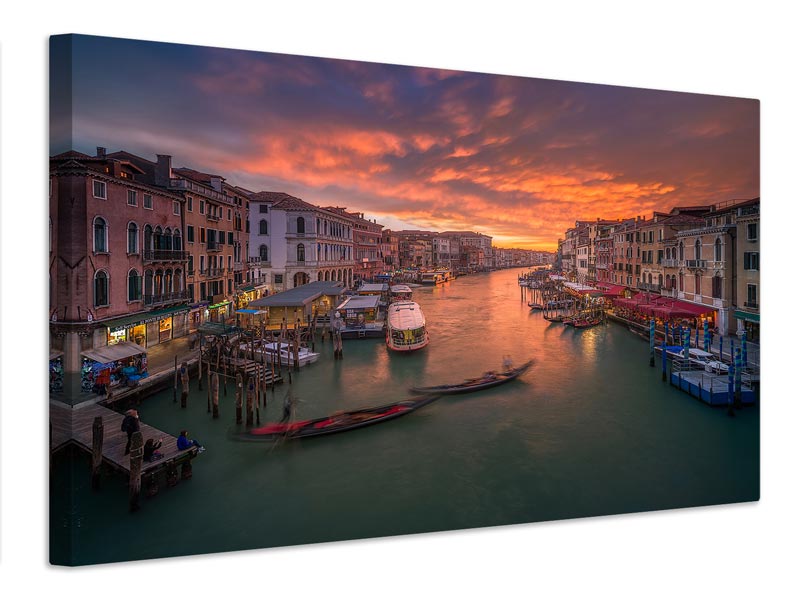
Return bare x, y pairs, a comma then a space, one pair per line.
486, 380
338, 422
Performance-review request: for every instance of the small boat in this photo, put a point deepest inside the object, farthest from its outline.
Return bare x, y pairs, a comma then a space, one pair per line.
584, 323
340, 421
269, 349
487, 380
536, 305
406, 329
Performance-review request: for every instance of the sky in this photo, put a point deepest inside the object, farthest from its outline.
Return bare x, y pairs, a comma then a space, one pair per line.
520, 159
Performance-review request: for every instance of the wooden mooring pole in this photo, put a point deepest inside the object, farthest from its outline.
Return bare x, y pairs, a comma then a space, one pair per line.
215, 395
135, 480
239, 385
97, 451
175, 380
200, 366
184, 384
249, 409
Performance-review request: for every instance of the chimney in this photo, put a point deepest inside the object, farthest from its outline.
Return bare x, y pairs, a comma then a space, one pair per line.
216, 182
163, 170
101, 152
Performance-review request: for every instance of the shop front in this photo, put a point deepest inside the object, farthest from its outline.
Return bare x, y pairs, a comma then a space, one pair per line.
151, 328
750, 324
219, 312
197, 315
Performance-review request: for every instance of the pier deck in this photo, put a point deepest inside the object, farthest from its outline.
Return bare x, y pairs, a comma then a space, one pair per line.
74, 425
711, 388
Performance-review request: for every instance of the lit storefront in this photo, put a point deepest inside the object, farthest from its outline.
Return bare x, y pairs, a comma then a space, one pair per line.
151, 328
219, 312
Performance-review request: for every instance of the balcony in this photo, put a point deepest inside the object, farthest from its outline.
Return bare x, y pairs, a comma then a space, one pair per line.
696, 264
672, 263
213, 272
153, 255
156, 299
211, 217
669, 292
650, 287
751, 305
190, 186
212, 246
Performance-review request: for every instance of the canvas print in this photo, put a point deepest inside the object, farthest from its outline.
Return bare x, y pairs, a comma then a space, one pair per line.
298, 300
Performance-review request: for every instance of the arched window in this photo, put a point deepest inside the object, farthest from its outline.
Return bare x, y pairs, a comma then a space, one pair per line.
101, 288
168, 281
698, 250
680, 282
167, 241
680, 250
100, 235
177, 284
133, 238
148, 284
134, 286
176, 240
718, 250
148, 237
660, 280
263, 253
301, 253
158, 283
697, 283
263, 227
301, 225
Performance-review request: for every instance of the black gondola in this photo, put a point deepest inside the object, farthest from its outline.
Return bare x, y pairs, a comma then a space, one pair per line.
486, 380
337, 422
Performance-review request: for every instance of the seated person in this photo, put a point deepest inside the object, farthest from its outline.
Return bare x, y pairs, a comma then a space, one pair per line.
184, 443
150, 447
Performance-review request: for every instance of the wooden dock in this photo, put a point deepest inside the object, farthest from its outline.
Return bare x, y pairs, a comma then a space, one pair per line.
74, 426
711, 388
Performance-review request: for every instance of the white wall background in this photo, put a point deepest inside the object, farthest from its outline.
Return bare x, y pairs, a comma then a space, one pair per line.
728, 48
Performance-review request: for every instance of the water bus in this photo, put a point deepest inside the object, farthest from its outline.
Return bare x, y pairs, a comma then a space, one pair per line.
406, 330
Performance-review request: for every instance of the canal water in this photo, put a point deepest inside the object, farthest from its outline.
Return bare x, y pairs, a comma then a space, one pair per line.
589, 430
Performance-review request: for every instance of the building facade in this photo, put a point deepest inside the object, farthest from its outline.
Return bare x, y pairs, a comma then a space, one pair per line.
293, 242
117, 263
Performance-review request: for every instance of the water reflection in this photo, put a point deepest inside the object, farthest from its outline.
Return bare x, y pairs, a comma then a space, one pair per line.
589, 429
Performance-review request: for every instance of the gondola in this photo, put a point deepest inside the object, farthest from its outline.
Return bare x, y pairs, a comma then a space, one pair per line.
486, 380
338, 422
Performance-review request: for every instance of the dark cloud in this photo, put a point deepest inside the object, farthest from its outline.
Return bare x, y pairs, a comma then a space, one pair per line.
522, 158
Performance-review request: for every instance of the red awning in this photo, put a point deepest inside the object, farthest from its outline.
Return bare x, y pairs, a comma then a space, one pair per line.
680, 309
612, 289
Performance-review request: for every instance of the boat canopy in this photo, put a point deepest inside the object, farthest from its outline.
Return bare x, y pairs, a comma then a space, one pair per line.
373, 288
401, 289
406, 315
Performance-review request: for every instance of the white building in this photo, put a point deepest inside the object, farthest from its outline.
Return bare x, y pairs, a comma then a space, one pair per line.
293, 242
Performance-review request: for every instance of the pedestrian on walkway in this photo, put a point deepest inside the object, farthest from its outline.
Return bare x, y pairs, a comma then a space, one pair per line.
130, 425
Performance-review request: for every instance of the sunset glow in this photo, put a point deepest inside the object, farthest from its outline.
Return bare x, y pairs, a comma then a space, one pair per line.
518, 159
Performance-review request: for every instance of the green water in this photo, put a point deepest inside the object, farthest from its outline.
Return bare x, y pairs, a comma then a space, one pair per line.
589, 430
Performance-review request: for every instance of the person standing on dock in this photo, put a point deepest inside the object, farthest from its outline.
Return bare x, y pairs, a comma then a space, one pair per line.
130, 425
